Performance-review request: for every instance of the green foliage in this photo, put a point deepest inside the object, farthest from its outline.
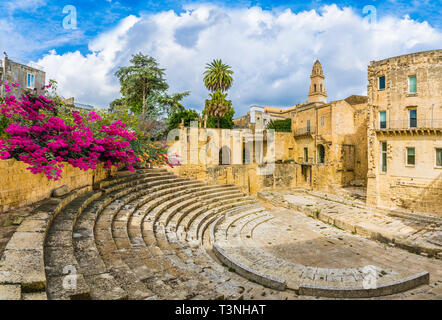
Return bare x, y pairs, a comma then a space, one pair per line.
218, 76
175, 118
224, 122
142, 82
4, 123
144, 87
280, 125
218, 107
172, 102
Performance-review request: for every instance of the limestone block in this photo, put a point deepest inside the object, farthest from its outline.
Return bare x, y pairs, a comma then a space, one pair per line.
10, 292
60, 191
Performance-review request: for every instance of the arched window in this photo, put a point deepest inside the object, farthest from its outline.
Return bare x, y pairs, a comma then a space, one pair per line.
224, 156
314, 86
321, 153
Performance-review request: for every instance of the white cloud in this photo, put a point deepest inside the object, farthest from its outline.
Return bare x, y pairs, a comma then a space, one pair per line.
23, 5
271, 52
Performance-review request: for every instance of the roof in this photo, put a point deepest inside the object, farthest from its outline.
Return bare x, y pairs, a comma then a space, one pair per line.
279, 110
355, 99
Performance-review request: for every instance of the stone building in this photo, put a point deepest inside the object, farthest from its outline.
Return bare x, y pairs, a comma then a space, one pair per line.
330, 141
29, 77
405, 132
259, 117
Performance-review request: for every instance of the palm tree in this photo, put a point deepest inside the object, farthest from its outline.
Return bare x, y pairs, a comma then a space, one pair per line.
218, 76
217, 106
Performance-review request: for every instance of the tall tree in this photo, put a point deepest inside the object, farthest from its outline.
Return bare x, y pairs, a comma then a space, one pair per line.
142, 83
218, 76
173, 102
217, 106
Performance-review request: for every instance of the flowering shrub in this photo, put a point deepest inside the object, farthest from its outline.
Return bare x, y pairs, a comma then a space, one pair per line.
44, 141
155, 154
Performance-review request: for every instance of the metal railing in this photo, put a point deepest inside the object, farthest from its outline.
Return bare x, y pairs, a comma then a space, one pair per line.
408, 124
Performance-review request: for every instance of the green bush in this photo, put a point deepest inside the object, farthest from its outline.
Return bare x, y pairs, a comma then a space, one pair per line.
175, 118
280, 125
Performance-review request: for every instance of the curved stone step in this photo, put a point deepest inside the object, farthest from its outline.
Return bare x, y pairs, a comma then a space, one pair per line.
64, 279
198, 197
102, 284
234, 247
105, 242
134, 253
183, 212
195, 222
22, 263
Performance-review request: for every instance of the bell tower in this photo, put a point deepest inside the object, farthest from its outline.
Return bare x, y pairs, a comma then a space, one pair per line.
317, 91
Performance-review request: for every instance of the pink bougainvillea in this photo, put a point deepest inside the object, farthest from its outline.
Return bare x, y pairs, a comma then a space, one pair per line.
40, 139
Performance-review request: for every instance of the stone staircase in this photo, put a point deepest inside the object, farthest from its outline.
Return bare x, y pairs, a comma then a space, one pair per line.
153, 235
134, 236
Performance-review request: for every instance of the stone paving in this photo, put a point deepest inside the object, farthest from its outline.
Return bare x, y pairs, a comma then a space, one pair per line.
419, 234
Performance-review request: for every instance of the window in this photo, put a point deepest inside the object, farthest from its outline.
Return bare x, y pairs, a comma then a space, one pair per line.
384, 157
411, 158
320, 86
321, 153
412, 84
413, 118
305, 154
314, 87
322, 121
383, 119
439, 157
308, 125
30, 81
381, 83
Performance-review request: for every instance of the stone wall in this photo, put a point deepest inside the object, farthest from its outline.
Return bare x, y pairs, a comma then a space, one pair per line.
413, 187
247, 176
20, 187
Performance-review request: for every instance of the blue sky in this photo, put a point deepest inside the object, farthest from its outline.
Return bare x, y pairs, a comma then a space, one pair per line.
298, 31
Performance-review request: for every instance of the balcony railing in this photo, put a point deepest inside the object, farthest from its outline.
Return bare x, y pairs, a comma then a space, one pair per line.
408, 124
305, 131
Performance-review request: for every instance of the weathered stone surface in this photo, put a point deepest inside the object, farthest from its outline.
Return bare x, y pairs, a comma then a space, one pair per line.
26, 241
60, 191
23, 267
10, 292
34, 296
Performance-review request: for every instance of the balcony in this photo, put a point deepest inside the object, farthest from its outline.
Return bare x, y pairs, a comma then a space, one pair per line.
303, 161
409, 125
305, 131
